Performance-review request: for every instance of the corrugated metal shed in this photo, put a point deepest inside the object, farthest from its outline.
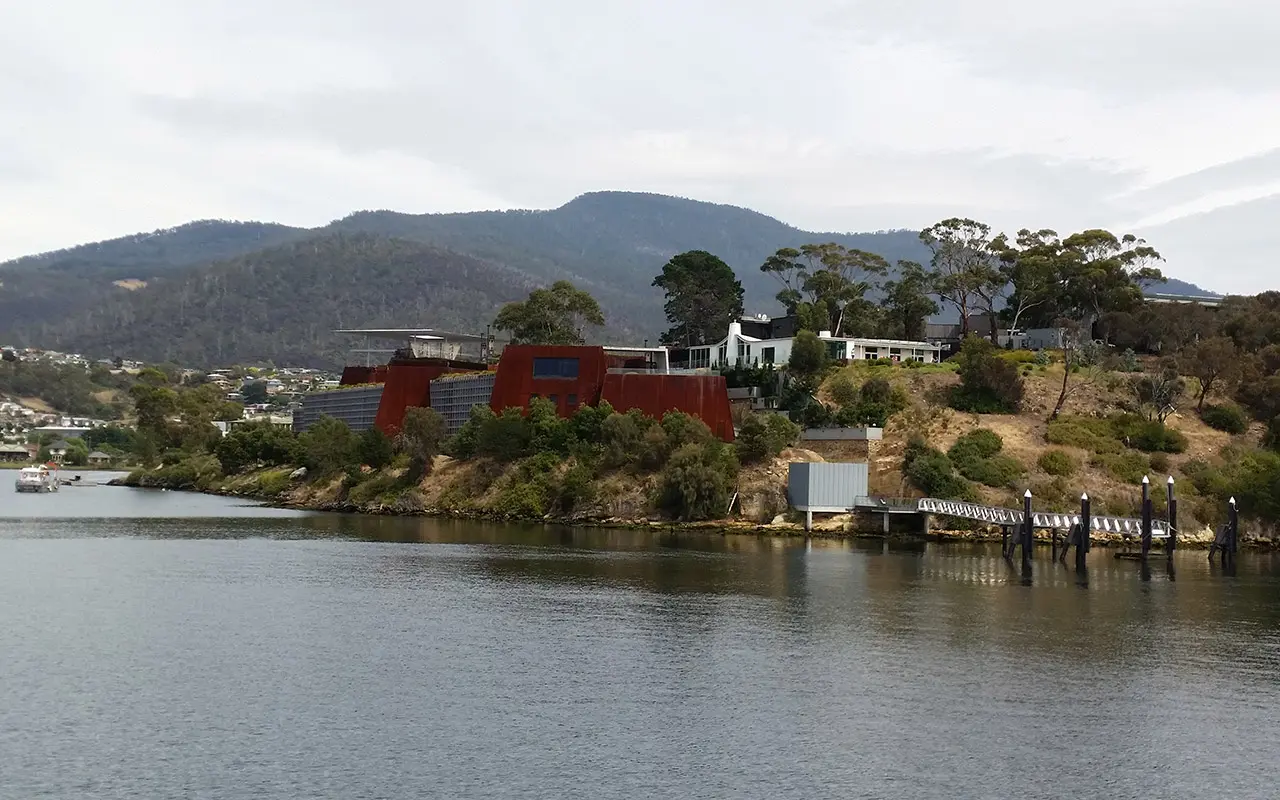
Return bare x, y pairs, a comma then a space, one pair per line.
825, 487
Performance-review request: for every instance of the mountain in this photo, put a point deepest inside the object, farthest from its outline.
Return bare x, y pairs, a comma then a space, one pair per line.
99, 298
282, 304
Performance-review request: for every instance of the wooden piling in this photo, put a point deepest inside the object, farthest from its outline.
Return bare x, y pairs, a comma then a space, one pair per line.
1086, 525
1146, 516
1171, 520
1028, 530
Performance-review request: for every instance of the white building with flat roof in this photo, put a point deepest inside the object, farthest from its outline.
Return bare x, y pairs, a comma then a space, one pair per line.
738, 348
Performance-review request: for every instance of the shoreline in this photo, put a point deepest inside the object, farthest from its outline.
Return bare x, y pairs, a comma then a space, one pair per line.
1200, 541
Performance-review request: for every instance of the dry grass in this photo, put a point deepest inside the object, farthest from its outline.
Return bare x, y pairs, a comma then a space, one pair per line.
130, 284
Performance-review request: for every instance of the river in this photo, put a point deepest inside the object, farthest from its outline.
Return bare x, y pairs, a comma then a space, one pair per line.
160, 644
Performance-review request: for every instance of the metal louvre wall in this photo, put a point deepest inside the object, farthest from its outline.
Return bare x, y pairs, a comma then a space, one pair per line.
453, 398
358, 407
819, 486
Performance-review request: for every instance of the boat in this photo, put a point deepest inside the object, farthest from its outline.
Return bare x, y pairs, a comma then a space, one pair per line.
39, 478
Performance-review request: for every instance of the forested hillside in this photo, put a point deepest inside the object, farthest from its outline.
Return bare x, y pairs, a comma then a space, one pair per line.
610, 244
282, 304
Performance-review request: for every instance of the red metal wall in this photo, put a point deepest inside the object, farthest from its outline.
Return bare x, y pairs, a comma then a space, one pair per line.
354, 376
408, 384
703, 396
515, 385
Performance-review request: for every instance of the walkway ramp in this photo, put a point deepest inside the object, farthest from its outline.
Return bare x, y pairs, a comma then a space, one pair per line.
1039, 519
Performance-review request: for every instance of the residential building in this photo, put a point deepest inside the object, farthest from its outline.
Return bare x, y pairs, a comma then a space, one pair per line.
741, 347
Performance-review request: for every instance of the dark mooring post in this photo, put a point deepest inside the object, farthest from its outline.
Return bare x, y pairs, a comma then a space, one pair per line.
1028, 529
1086, 525
1233, 532
1146, 516
1171, 520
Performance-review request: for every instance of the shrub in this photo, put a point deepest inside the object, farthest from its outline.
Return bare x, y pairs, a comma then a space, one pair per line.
1057, 462
548, 431
1019, 357
698, 480
843, 389
1128, 466
976, 456
588, 422
1150, 436
328, 446
930, 471
989, 384
1160, 463
1230, 419
655, 448
621, 436
1271, 437
254, 443
375, 448
764, 436
576, 488
682, 429
506, 437
1087, 433
465, 444
420, 438
378, 487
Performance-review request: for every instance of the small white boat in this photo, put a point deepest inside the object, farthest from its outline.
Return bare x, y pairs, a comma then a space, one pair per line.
37, 479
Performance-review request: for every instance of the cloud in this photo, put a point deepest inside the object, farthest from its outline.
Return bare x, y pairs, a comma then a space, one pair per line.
829, 114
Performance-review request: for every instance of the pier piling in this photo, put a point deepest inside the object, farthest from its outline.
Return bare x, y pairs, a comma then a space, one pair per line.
1146, 517
1086, 525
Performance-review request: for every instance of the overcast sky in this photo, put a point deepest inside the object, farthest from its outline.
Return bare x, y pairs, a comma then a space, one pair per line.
1161, 116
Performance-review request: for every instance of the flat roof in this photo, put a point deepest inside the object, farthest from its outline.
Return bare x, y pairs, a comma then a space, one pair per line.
401, 334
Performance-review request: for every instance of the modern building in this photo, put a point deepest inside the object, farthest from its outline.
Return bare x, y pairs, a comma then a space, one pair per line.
357, 406
741, 347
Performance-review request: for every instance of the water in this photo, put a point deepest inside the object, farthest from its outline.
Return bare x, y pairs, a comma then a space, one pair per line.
156, 644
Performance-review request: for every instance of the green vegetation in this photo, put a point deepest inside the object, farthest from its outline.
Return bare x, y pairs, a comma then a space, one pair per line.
989, 384
976, 455
764, 436
1057, 463
1228, 418
703, 295
69, 388
931, 471
870, 404
1113, 434
558, 315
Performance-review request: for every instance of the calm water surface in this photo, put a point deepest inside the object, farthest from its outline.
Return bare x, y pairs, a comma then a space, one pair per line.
157, 644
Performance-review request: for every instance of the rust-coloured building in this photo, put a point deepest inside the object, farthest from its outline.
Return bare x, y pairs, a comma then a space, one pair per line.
406, 383
571, 377
568, 376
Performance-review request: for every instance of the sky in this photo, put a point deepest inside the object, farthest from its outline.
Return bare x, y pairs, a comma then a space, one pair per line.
1156, 117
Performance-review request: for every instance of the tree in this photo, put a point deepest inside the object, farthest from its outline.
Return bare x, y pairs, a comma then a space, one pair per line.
421, 435
988, 383
255, 392
376, 449
329, 446
550, 316
1031, 268
1213, 362
965, 271
808, 356
1102, 272
822, 283
907, 303
1078, 356
1158, 393
703, 297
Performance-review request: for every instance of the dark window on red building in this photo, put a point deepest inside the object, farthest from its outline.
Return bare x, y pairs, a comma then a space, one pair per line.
555, 399
555, 368
573, 401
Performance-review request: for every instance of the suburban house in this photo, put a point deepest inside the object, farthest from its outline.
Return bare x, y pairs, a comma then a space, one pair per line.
99, 459
58, 450
14, 453
759, 340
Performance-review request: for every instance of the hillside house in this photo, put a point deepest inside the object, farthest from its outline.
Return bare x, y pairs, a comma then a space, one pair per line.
758, 341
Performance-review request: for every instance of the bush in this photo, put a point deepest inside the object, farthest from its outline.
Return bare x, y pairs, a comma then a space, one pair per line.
256, 443
1230, 419
421, 436
872, 405
548, 431
989, 384
1149, 436
843, 389
682, 429
375, 448
808, 355
465, 444
764, 436
329, 446
382, 487
1019, 357
506, 437
576, 488
698, 481
1160, 463
976, 455
621, 437
1094, 434
930, 471
1128, 466
1057, 462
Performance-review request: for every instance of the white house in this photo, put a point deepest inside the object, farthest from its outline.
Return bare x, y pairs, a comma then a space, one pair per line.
738, 348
